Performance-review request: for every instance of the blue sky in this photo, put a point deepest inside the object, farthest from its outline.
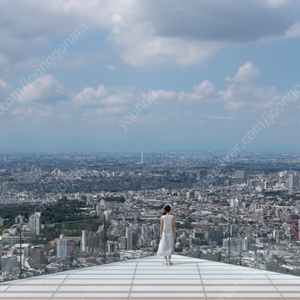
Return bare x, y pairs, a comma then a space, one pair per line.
212, 68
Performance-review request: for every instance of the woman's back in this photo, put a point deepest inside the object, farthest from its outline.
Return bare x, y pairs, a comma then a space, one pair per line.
168, 223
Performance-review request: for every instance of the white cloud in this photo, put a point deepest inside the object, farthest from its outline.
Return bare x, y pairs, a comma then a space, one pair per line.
45, 113
146, 32
90, 97
21, 111
142, 47
242, 95
45, 89
4, 84
241, 91
205, 88
161, 94
111, 68
246, 73
234, 105
109, 110
191, 31
35, 113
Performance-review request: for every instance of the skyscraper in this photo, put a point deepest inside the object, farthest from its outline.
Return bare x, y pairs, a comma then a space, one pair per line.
239, 177
63, 247
131, 236
90, 241
234, 230
293, 181
35, 223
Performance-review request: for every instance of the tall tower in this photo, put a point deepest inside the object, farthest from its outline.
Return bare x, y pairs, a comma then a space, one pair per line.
142, 157
35, 223
293, 181
63, 247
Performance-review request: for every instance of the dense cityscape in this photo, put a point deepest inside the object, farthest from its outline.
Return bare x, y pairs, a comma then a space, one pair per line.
71, 210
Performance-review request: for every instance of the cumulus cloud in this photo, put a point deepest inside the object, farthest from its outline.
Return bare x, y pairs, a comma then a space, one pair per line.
44, 89
246, 73
90, 97
240, 96
194, 30
4, 84
141, 46
241, 91
178, 32
34, 113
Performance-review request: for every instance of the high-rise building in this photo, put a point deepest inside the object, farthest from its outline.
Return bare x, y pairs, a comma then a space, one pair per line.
37, 254
63, 247
239, 177
91, 241
123, 243
35, 223
111, 246
19, 219
5, 158
131, 236
149, 233
234, 230
215, 236
293, 181
198, 235
236, 244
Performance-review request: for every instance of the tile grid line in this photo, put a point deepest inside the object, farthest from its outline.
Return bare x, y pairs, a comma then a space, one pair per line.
7, 288
132, 280
201, 279
59, 286
275, 286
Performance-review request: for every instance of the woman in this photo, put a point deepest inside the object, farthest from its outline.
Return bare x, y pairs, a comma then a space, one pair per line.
167, 236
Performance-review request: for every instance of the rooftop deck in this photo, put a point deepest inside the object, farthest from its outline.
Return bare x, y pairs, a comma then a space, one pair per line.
147, 278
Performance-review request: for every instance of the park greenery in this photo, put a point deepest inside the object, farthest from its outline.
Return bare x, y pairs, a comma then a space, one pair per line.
64, 216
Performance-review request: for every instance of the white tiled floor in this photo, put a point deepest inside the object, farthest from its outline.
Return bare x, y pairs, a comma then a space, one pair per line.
147, 278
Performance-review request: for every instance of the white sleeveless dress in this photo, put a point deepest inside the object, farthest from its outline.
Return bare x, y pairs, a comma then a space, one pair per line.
166, 245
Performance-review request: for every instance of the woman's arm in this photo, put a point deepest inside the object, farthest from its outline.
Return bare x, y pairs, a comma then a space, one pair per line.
174, 227
161, 226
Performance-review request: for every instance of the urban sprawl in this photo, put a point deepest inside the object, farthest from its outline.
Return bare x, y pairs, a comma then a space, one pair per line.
70, 210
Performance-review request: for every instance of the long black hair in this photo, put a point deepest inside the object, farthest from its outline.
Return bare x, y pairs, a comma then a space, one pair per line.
167, 209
